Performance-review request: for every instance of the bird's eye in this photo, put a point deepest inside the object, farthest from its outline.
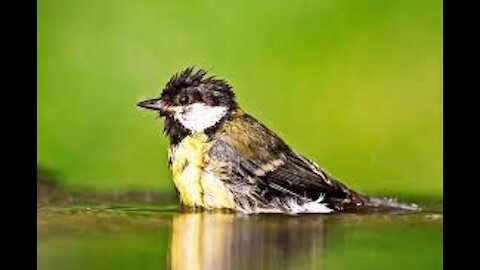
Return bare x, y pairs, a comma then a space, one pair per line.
183, 100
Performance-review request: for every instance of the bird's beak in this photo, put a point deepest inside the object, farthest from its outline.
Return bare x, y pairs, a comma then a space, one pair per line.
156, 104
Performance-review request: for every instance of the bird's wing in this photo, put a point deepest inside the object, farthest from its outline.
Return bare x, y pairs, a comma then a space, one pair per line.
260, 154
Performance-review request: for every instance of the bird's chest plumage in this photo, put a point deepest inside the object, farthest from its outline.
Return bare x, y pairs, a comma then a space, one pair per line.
196, 176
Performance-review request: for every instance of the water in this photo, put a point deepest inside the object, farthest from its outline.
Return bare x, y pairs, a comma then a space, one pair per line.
150, 236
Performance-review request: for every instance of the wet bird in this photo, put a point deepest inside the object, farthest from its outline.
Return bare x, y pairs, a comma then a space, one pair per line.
223, 158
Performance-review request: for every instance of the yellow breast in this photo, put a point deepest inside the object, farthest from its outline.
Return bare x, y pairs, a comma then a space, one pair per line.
197, 181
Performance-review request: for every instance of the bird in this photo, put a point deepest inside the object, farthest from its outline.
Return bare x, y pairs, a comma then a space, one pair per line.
222, 158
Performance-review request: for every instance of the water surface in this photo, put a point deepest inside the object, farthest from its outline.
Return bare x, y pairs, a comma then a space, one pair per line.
151, 236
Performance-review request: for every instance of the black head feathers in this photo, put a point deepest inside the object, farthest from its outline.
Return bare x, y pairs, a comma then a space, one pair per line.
199, 87
188, 78
185, 78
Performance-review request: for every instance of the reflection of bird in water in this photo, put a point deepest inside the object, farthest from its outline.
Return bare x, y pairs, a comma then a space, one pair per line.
210, 241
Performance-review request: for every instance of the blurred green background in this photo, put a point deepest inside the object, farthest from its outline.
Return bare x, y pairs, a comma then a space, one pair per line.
354, 85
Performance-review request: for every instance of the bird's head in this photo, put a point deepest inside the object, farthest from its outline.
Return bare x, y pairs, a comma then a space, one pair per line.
195, 101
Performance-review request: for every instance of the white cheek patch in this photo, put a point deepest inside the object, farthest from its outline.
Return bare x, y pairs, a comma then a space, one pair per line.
198, 117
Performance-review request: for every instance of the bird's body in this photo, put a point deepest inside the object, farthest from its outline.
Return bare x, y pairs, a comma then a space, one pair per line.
197, 180
222, 158
232, 168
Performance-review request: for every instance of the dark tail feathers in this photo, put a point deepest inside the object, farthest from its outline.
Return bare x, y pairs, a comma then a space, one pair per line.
391, 203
